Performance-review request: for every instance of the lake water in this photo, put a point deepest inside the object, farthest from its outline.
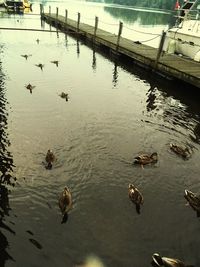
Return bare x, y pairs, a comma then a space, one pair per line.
115, 111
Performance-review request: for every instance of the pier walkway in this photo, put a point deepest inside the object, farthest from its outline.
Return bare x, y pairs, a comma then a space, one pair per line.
152, 59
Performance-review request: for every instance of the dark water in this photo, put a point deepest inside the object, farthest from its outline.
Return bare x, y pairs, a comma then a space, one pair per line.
114, 112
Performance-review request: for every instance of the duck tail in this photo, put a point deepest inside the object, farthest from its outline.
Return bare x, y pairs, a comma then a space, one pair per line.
49, 166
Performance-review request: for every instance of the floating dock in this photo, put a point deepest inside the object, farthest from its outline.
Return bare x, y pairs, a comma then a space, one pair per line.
152, 59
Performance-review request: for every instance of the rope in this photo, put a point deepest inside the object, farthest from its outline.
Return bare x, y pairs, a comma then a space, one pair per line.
140, 31
149, 39
113, 24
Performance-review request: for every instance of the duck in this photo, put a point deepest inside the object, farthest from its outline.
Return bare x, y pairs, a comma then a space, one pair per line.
26, 56
181, 151
41, 66
50, 158
30, 87
159, 261
65, 202
144, 159
37, 40
55, 62
193, 200
135, 196
64, 95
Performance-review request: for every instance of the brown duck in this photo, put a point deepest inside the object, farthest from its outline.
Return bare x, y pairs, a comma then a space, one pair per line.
181, 151
144, 159
135, 196
50, 158
65, 202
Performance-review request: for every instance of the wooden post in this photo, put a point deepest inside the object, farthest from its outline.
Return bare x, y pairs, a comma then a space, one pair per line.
78, 22
66, 14
41, 9
49, 9
56, 12
160, 48
96, 26
119, 34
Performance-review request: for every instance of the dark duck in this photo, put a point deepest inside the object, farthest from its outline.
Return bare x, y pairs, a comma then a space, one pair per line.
65, 203
50, 158
159, 261
193, 200
135, 196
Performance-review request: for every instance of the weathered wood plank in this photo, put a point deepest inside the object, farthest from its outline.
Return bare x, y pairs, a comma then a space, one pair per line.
169, 65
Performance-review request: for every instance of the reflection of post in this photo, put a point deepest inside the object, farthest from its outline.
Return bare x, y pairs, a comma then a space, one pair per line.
115, 75
78, 48
119, 34
160, 48
56, 12
94, 64
96, 26
78, 21
66, 14
49, 10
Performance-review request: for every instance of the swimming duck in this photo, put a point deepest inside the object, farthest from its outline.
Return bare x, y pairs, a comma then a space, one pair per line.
193, 201
65, 202
64, 95
30, 87
41, 66
26, 56
144, 159
182, 151
50, 158
55, 62
135, 196
159, 261
37, 40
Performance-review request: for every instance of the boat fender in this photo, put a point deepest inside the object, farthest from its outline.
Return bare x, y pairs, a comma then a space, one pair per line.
197, 56
171, 48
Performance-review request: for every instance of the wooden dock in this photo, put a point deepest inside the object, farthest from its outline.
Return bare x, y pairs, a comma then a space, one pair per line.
150, 58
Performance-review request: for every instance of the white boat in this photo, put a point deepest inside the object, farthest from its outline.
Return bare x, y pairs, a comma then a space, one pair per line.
184, 37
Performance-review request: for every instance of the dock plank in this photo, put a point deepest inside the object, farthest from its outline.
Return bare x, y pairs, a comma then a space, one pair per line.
168, 64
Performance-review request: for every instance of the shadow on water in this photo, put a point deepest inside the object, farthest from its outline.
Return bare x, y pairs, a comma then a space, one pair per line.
6, 178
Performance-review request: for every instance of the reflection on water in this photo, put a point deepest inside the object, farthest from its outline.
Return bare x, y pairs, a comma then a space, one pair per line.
95, 137
6, 169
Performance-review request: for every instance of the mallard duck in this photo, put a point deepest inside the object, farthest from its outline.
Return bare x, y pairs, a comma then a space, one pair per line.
64, 95
182, 151
26, 56
50, 158
41, 66
159, 261
135, 196
144, 159
55, 62
193, 201
65, 202
30, 87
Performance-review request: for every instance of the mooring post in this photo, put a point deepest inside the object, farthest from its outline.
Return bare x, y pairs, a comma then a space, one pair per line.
96, 26
162, 40
56, 12
41, 9
119, 34
78, 21
49, 10
66, 14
